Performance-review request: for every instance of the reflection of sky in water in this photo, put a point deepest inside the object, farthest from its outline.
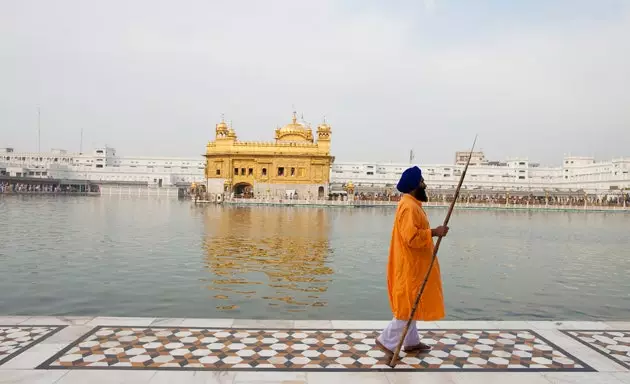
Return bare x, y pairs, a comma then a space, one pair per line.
276, 256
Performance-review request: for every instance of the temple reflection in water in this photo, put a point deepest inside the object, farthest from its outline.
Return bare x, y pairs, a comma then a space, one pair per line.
277, 256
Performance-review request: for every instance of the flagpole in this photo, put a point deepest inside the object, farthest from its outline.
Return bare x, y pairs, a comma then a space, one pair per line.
39, 131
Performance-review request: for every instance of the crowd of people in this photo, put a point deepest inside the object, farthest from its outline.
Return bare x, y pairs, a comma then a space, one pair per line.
505, 198
6, 187
26, 188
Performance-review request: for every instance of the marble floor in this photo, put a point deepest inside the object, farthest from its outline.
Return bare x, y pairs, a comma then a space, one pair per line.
156, 350
16, 339
614, 344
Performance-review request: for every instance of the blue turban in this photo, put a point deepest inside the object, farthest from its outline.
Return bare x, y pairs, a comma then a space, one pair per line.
409, 180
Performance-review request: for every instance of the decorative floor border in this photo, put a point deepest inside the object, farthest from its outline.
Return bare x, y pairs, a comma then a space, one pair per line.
28, 344
602, 347
231, 349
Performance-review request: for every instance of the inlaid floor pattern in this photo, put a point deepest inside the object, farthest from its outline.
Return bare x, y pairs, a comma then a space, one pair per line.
241, 349
16, 339
613, 344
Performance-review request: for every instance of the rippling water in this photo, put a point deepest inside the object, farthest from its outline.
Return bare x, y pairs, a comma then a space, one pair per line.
148, 257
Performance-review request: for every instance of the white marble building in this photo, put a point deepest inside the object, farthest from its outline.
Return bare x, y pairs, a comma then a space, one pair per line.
576, 173
103, 164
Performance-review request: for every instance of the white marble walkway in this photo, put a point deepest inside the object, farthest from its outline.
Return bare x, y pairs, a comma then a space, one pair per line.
22, 367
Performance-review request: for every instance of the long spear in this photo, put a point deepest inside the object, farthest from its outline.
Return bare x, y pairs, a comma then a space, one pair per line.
392, 363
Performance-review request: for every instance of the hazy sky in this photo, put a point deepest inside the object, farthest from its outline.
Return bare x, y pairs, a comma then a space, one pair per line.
535, 78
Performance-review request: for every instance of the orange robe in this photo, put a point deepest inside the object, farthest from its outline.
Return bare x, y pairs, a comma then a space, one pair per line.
410, 254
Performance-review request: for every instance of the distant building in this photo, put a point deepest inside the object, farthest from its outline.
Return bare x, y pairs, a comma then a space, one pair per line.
103, 165
576, 173
477, 158
294, 164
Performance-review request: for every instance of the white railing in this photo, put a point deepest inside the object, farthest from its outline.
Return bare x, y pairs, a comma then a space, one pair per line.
548, 207
138, 190
460, 205
276, 201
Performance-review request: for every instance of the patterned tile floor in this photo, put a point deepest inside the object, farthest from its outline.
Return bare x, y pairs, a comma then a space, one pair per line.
612, 344
16, 339
307, 350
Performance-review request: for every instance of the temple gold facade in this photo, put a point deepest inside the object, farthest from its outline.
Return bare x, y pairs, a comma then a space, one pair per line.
295, 164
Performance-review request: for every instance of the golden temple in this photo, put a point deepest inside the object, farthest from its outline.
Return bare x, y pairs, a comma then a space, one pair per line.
295, 165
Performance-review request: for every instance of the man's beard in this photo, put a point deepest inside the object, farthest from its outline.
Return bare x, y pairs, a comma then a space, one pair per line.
421, 194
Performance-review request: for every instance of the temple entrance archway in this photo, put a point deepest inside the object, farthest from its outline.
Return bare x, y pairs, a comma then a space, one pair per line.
243, 190
320, 193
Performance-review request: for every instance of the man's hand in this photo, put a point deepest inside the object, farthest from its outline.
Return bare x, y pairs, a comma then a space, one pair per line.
440, 231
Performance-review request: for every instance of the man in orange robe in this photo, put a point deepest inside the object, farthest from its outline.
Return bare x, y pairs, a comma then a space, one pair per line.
410, 253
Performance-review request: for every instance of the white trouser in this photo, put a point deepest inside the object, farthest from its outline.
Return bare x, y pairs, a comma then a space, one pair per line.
390, 337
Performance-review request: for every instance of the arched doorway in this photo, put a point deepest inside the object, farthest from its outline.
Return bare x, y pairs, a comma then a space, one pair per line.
320, 193
243, 190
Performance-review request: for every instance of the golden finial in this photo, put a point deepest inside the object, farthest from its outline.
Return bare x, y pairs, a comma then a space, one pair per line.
294, 117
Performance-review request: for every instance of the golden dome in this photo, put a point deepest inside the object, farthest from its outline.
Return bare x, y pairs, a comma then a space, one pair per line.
293, 126
224, 130
323, 127
294, 131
